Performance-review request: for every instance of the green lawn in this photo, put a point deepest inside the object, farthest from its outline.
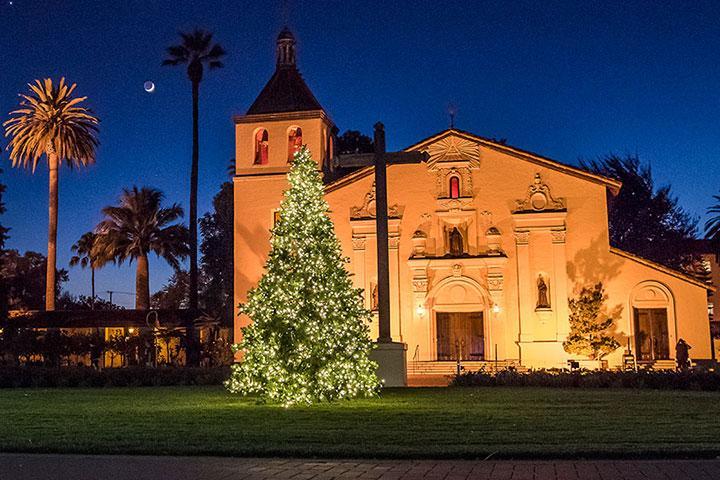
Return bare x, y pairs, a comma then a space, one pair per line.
443, 422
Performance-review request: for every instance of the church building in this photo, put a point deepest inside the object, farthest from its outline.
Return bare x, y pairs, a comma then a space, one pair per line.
487, 242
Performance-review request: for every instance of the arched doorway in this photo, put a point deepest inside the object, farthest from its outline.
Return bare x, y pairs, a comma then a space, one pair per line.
653, 321
459, 327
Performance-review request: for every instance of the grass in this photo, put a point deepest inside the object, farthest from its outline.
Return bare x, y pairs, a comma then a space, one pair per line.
443, 422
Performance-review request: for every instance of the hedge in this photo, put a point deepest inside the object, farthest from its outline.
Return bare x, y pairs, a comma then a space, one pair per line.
700, 379
49, 377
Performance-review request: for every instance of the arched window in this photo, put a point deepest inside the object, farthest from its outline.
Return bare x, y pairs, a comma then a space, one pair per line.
261, 147
454, 187
295, 141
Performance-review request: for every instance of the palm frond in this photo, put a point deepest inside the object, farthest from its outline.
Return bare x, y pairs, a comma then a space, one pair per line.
196, 48
50, 120
139, 225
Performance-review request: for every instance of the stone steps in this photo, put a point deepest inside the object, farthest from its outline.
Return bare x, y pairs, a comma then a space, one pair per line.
450, 368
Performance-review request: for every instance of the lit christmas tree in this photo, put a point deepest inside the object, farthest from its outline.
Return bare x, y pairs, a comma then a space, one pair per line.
309, 338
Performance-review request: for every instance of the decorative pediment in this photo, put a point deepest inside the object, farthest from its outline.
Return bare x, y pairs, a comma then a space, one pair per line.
367, 209
539, 199
453, 149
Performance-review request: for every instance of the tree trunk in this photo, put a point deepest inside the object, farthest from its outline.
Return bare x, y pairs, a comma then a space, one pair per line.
142, 284
193, 294
52, 231
191, 344
92, 287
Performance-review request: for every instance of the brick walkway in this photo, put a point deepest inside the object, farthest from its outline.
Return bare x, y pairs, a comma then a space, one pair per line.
79, 467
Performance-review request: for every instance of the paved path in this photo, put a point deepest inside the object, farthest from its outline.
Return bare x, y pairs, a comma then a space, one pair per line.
81, 467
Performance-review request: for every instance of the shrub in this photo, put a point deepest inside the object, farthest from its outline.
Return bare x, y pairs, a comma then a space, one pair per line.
51, 377
698, 379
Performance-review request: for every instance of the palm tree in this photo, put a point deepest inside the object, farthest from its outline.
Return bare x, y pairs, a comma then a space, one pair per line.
712, 226
83, 257
196, 51
50, 122
136, 227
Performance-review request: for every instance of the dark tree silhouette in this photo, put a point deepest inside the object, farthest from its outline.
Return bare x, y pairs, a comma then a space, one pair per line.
217, 255
352, 141
24, 278
712, 226
83, 257
3, 230
647, 220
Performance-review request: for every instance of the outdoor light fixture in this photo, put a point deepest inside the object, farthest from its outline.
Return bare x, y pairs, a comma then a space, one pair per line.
496, 308
131, 330
420, 310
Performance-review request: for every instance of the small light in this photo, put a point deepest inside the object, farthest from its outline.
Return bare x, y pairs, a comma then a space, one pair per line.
420, 310
131, 330
496, 308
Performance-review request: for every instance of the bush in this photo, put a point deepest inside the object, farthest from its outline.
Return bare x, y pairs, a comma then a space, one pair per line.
698, 379
84, 377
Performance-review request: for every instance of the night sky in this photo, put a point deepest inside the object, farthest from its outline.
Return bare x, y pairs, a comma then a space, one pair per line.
567, 80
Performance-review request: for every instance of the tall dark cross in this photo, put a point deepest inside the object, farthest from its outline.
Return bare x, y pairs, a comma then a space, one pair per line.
380, 159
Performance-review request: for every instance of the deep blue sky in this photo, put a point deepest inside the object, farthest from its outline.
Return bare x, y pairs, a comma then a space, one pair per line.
564, 79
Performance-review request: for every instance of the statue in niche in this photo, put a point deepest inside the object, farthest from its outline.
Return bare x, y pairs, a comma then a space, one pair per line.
456, 242
542, 287
373, 297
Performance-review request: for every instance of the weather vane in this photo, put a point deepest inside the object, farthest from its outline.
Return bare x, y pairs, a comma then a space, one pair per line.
452, 111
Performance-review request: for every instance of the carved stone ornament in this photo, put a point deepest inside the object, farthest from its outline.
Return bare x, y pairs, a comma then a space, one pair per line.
420, 284
493, 238
358, 243
558, 236
367, 209
539, 199
495, 283
453, 148
455, 204
522, 237
457, 270
393, 241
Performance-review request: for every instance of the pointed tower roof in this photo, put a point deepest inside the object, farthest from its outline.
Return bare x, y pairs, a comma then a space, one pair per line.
286, 91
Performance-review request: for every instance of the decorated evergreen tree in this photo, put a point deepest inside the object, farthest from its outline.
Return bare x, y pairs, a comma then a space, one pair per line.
309, 338
589, 334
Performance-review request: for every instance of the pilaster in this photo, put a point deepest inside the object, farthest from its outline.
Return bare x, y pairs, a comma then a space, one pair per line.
525, 294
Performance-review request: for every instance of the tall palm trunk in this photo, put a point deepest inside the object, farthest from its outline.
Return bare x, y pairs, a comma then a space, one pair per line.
52, 230
192, 358
92, 287
142, 284
193, 297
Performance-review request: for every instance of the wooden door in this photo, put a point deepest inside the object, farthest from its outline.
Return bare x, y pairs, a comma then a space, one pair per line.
652, 339
460, 335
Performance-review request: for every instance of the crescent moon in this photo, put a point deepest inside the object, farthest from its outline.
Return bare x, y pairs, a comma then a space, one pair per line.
149, 86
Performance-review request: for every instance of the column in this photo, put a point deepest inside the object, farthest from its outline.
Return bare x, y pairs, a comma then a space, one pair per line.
359, 279
560, 295
498, 313
394, 270
421, 315
525, 293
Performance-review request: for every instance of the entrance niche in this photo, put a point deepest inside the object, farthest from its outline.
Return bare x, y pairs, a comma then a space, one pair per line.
653, 321
458, 322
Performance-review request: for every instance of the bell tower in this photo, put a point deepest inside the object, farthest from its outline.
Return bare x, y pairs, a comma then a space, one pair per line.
284, 116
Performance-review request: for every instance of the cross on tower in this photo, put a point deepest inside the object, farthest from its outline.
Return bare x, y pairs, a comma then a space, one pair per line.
380, 159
